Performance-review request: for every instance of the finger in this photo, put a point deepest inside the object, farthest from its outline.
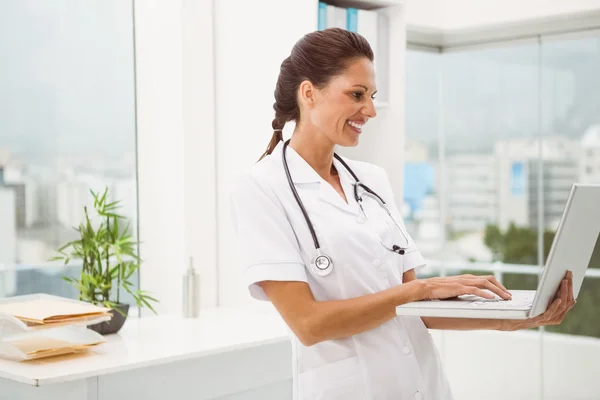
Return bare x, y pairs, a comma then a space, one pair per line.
484, 283
547, 316
478, 292
554, 308
564, 296
493, 279
569, 274
570, 287
565, 302
495, 289
573, 304
554, 311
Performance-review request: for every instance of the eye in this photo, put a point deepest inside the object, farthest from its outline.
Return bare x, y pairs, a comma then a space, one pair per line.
373, 96
357, 95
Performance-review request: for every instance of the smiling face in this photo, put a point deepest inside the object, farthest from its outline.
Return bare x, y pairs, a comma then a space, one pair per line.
340, 109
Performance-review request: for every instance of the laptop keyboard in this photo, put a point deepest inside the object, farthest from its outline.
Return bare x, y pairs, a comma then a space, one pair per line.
517, 301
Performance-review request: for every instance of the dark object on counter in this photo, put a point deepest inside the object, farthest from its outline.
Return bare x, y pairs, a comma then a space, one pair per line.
116, 322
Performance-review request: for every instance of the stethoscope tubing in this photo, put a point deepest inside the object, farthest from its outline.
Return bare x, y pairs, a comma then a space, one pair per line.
358, 198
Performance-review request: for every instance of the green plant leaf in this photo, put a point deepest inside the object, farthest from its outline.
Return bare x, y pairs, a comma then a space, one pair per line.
151, 298
148, 305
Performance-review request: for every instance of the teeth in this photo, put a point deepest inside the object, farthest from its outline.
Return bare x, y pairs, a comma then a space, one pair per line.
354, 124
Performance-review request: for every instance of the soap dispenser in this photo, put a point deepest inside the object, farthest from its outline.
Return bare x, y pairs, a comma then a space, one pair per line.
191, 292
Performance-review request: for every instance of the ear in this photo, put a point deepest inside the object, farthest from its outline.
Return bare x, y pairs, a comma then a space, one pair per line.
307, 93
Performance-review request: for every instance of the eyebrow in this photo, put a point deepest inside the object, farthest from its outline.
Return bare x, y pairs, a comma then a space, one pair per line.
364, 87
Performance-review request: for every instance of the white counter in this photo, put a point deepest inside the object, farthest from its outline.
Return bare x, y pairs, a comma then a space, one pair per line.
157, 346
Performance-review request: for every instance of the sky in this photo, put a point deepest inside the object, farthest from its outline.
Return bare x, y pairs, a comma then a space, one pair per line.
66, 79
493, 93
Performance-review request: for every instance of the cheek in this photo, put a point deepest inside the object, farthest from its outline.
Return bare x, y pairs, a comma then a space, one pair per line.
331, 115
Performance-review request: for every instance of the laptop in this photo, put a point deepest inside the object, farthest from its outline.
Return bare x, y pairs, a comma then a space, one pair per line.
575, 245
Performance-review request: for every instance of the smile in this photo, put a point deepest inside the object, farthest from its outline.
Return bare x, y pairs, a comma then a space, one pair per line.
355, 125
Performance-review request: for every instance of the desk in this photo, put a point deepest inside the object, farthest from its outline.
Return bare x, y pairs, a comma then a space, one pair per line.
225, 354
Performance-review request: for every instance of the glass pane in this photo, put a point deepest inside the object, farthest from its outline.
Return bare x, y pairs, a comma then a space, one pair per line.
571, 93
67, 125
571, 153
491, 136
421, 207
490, 124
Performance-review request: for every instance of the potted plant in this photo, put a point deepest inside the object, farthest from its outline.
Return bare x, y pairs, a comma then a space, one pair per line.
109, 260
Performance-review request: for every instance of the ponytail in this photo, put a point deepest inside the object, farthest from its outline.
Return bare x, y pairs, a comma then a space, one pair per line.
275, 139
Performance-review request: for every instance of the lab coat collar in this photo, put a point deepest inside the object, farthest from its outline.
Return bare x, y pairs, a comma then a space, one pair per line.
303, 173
300, 170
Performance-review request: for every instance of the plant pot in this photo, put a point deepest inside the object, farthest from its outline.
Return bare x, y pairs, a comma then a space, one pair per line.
115, 323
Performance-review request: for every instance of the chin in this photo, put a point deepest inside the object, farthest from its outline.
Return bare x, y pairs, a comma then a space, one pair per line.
348, 142
353, 142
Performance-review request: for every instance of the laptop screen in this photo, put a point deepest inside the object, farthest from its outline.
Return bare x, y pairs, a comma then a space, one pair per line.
595, 258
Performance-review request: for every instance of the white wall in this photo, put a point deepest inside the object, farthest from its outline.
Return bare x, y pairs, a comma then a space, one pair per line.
249, 52
461, 14
425, 13
175, 105
200, 197
160, 148
464, 14
519, 365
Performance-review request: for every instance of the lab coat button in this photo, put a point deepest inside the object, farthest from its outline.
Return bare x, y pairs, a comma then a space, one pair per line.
376, 262
361, 220
419, 396
406, 350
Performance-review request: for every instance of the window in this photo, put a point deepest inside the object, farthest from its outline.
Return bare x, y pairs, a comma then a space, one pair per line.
422, 202
512, 146
571, 112
67, 125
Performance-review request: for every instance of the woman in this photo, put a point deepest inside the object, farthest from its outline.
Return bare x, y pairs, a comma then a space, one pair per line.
336, 285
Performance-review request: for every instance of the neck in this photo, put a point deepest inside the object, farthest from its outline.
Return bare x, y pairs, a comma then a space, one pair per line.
316, 150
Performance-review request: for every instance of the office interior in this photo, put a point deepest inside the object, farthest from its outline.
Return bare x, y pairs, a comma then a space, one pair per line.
488, 112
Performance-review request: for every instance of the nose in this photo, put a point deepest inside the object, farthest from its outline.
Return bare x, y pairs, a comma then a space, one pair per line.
369, 109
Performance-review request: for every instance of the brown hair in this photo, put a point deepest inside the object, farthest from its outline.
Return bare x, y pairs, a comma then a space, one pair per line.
318, 57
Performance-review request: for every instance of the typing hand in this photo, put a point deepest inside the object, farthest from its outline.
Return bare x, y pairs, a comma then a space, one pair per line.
453, 286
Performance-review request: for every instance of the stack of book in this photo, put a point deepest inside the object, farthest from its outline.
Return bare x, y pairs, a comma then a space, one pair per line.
42, 325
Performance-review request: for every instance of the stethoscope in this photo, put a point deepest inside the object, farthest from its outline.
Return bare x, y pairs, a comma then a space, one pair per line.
322, 264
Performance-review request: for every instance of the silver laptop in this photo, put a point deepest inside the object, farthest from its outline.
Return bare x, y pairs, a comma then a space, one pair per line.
577, 239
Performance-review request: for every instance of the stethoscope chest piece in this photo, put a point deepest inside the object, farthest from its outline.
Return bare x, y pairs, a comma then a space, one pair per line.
321, 265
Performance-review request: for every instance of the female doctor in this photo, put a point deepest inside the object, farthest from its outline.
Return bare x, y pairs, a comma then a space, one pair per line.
317, 241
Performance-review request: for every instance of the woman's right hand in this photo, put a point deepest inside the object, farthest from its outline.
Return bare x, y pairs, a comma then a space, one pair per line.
452, 286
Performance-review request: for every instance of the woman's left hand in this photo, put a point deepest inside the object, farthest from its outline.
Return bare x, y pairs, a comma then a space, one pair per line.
554, 315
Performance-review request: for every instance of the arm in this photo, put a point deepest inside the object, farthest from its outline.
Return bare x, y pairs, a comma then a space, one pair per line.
316, 321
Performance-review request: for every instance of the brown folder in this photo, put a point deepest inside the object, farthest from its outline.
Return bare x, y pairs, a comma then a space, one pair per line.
50, 311
39, 347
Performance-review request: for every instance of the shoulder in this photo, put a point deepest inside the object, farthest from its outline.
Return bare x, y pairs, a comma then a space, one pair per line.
262, 177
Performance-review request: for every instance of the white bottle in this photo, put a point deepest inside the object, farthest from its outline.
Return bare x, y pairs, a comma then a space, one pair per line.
191, 292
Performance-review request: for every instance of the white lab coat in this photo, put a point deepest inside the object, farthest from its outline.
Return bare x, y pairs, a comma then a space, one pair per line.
397, 360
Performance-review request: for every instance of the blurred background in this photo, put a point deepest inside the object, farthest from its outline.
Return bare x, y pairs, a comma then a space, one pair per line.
488, 112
